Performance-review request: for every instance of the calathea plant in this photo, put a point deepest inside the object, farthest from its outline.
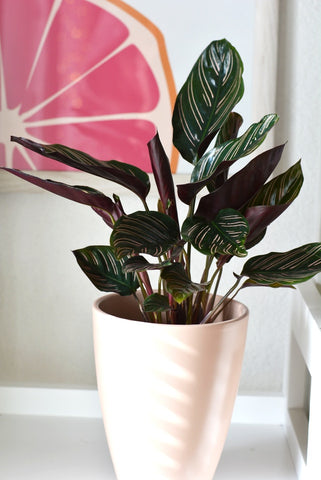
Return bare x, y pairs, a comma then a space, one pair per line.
227, 214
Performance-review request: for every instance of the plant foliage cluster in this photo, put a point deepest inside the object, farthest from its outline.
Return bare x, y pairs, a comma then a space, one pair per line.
227, 214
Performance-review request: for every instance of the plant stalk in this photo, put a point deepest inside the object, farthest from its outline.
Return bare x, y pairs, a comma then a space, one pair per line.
211, 315
218, 272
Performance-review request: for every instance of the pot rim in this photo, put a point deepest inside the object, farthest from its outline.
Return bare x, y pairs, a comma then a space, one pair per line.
243, 315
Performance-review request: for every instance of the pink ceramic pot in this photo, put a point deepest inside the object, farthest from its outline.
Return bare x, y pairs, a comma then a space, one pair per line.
166, 391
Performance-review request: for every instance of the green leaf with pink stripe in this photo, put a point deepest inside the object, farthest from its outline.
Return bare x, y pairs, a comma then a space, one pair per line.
178, 283
213, 87
234, 149
156, 303
219, 159
149, 232
105, 271
284, 268
224, 235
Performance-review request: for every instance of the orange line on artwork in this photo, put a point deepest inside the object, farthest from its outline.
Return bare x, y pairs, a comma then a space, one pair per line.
164, 58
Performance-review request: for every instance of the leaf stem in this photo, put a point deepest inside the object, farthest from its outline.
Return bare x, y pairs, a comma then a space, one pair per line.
189, 246
142, 311
146, 290
209, 261
145, 205
218, 273
146, 282
212, 314
228, 300
201, 297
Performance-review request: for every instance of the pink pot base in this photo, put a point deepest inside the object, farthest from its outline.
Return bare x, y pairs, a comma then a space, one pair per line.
166, 391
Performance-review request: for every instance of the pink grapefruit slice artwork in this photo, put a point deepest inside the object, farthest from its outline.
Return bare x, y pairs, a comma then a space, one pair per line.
90, 74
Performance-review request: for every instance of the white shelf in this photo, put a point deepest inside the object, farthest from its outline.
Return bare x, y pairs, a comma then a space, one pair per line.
65, 448
303, 418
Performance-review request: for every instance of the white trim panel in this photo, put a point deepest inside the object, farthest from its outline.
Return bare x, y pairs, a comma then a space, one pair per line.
85, 403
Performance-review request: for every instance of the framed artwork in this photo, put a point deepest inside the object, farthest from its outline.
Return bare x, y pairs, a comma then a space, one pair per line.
90, 74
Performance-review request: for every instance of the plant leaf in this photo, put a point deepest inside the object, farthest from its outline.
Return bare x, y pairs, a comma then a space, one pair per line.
285, 268
229, 129
163, 176
280, 190
224, 235
187, 191
150, 232
178, 284
124, 174
156, 303
103, 205
242, 186
235, 148
269, 203
140, 264
259, 218
213, 87
105, 271
272, 200
206, 169
117, 212
252, 283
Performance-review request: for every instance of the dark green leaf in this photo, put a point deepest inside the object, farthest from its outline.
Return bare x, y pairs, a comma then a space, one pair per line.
156, 303
188, 191
177, 250
153, 233
213, 87
269, 203
280, 190
229, 129
235, 148
252, 283
285, 268
178, 284
163, 176
224, 235
206, 169
124, 174
140, 264
242, 186
105, 271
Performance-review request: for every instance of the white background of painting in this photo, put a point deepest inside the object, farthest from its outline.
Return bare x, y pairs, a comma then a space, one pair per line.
189, 26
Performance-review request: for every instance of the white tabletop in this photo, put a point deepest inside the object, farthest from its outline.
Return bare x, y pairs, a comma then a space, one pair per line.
62, 448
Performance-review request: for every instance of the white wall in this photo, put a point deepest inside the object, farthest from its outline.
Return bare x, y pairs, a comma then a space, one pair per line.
188, 27
298, 102
45, 301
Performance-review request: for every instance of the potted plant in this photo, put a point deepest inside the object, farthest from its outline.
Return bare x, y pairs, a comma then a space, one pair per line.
168, 356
